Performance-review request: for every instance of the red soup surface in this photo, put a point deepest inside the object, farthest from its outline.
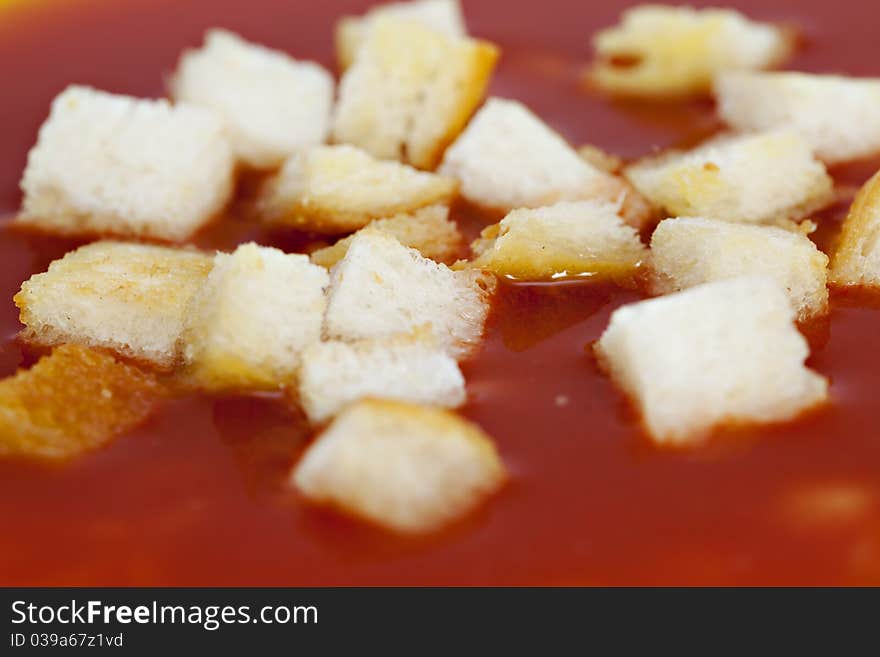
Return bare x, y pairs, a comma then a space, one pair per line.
198, 497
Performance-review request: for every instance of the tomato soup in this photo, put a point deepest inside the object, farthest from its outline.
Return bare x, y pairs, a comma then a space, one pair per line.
198, 495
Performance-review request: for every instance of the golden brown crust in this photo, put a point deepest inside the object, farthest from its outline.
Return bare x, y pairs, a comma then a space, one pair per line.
633, 60
72, 401
340, 189
335, 220
346, 37
600, 159
568, 240
484, 56
428, 230
99, 287
858, 238
411, 91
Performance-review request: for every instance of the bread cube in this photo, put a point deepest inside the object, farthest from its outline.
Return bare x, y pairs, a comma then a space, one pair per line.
258, 310
429, 231
672, 51
339, 189
408, 468
406, 368
442, 16
273, 105
410, 91
688, 251
382, 288
600, 158
129, 298
568, 239
72, 401
507, 158
835, 114
107, 164
857, 256
725, 352
769, 177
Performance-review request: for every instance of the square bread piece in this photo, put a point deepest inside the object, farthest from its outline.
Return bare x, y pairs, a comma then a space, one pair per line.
568, 239
856, 260
508, 158
273, 105
339, 189
129, 298
410, 91
688, 251
406, 368
408, 468
720, 353
382, 288
768, 177
115, 165
429, 231
72, 401
258, 310
442, 16
837, 115
671, 51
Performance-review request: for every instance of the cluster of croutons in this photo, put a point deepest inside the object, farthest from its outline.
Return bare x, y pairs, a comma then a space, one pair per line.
366, 335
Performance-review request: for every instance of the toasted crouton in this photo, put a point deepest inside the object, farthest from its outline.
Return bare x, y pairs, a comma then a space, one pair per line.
410, 91
769, 177
689, 251
130, 298
382, 288
835, 114
259, 308
273, 105
408, 468
857, 257
568, 239
339, 189
600, 159
507, 158
442, 16
429, 231
725, 352
672, 51
107, 164
72, 401
407, 368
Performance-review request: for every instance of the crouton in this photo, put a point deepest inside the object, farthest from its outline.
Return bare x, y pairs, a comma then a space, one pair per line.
273, 105
725, 352
246, 327
835, 114
769, 177
115, 165
407, 368
408, 468
689, 251
129, 298
442, 16
72, 401
600, 159
507, 158
382, 288
429, 231
673, 51
339, 189
568, 239
410, 91
856, 259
